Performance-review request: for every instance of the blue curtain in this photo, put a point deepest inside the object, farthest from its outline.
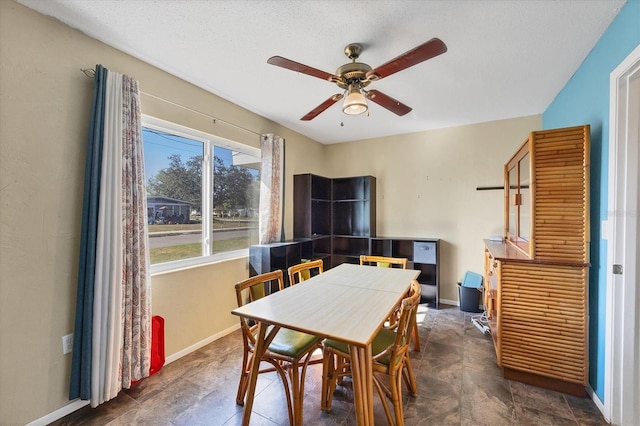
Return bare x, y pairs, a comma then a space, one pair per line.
80, 386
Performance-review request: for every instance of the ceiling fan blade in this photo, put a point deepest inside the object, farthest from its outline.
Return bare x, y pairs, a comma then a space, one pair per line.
296, 66
428, 50
320, 108
393, 105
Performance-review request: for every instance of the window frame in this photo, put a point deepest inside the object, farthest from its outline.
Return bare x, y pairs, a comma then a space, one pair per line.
209, 142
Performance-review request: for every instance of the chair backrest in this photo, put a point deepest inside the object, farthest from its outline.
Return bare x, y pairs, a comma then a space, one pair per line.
254, 288
400, 346
303, 271
384, 261
251, 289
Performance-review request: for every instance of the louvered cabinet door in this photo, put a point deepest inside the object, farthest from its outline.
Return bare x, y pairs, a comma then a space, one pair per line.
543, 320
560, 183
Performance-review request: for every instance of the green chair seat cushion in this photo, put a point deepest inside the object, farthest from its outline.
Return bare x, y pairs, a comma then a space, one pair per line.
292, 343
257, 292
382, 341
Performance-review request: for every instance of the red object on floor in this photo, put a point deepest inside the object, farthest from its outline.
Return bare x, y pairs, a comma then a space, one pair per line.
157, 346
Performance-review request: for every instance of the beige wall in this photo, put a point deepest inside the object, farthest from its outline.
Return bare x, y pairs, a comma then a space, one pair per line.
44, 112
426, 187
195, 303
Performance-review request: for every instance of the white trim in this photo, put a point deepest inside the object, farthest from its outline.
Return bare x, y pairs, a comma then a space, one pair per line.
59, 413
621, 360
78, 404
200, 344
595, 398
197, 262
208, 142
449, 302
452, 302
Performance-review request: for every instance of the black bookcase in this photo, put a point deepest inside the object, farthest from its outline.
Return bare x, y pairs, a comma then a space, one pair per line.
273, 256
312, 213
423, 254
337, 220
354, 217
338, 215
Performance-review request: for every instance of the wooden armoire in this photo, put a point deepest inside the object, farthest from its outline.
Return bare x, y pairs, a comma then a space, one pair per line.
536, 277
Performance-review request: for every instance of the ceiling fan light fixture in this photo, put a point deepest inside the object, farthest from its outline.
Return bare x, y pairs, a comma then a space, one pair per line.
355, 103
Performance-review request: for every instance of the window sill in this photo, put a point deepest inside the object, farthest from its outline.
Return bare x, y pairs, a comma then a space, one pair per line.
181, 265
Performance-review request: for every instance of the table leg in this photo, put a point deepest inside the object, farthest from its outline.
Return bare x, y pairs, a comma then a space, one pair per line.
362, 371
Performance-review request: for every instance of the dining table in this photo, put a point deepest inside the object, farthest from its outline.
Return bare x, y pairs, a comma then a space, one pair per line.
349, 303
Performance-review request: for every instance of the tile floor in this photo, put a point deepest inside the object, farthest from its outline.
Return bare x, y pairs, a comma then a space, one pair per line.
458, 384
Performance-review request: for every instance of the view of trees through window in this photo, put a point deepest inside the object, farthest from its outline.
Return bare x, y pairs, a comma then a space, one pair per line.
202, 198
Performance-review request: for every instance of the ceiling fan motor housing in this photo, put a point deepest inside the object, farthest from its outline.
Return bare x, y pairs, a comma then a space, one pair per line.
354, 72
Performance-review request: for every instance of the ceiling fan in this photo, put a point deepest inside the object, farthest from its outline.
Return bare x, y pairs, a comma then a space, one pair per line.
353, 77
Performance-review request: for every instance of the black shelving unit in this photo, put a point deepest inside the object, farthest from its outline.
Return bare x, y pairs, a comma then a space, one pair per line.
347, 249
273, 256
423, 254
354, 217
338, 216
312, 215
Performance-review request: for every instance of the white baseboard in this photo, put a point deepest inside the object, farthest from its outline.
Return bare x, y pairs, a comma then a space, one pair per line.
597, 401
200, 344
454, 303
59, 413
78, 404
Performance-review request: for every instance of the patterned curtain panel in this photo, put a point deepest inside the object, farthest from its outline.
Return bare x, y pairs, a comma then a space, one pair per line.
271, 189
112, 337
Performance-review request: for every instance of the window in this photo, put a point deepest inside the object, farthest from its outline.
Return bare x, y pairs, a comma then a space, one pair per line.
202, 195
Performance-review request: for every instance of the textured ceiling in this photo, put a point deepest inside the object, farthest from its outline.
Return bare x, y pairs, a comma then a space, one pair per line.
506, 58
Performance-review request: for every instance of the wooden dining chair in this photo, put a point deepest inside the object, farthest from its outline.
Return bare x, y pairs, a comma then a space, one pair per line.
305, 270
383, 261
389, 262
302, 272
289, 352
390, 350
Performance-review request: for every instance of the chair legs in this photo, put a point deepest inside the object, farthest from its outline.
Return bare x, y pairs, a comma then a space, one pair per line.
393, 392
415, 336
328, 382
335, 367
292, 376
244, 379
409, 377
407, 370
297, 374
396, 398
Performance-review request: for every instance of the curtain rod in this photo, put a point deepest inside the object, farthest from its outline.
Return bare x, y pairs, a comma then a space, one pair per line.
92, 74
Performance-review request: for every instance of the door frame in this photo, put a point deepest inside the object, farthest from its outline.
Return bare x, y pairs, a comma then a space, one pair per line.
622, 360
